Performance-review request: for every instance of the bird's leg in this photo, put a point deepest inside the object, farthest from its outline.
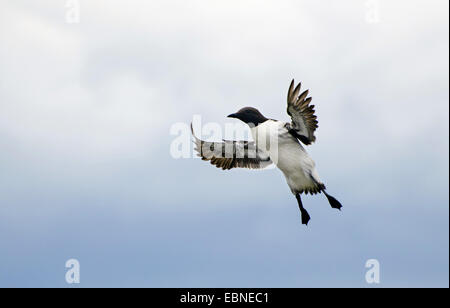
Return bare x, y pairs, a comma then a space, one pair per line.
305, 215
333, 201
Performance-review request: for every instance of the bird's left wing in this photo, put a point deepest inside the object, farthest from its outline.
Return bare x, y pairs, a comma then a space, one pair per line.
304, 121
231, 154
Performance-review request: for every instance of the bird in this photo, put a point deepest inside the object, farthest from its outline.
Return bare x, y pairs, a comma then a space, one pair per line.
286, 152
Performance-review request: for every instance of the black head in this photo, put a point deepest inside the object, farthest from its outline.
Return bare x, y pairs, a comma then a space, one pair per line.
250, 116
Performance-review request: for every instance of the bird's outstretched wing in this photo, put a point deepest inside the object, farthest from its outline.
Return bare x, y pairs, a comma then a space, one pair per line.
231, 154
304, 121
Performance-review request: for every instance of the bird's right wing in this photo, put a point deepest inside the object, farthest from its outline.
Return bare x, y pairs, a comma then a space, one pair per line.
231, 154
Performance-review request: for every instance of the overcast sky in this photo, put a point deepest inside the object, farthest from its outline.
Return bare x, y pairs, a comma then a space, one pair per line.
85, 167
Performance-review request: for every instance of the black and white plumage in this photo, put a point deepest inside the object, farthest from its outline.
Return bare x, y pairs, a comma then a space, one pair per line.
275, 142
240, 154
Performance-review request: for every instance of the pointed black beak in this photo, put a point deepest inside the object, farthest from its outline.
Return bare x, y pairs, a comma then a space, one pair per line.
233, 115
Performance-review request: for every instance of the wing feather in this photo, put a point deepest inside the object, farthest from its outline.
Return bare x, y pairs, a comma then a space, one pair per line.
231, 154
304, 121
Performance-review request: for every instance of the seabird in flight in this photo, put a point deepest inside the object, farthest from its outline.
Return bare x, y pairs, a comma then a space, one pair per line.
286, 152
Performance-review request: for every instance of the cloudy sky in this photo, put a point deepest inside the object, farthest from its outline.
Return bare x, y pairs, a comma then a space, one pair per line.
87, 107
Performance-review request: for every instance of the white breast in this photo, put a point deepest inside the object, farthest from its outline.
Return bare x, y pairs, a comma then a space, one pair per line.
287, 154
